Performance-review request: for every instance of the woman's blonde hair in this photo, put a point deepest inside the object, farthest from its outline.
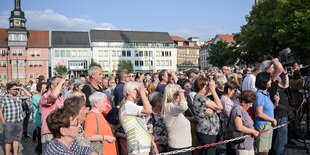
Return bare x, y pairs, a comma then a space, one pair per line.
170, 89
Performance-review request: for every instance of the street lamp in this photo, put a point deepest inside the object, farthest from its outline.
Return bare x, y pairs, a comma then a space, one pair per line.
6, 53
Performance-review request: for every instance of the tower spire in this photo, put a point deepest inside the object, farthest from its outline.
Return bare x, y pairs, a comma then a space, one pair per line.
17, 4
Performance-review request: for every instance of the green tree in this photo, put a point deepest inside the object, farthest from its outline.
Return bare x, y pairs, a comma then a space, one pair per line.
94, 63
221, 54
61, 70
123, 64
274, 25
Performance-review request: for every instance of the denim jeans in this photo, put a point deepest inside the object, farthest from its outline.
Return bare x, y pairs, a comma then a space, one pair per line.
279, 139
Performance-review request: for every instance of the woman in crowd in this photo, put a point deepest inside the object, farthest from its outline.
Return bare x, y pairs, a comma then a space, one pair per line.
263, 108
206, 113
156, 124
241, 121
78, 85
96, 127
220, 84
227, 102
41, 88
64, 126
77, 104
176, 123
132, 118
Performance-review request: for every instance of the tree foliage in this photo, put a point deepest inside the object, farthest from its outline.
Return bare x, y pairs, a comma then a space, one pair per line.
123, 64
221, 54
61, 70
274, 25
94, 63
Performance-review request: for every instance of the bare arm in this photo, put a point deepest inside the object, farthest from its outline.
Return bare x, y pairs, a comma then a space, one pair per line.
147, 108
217, 101
110, 139
240, 127
1, 116
278, 69
56, 91
27, 93
261, 114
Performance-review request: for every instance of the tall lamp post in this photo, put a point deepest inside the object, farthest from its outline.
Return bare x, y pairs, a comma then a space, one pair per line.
6, 53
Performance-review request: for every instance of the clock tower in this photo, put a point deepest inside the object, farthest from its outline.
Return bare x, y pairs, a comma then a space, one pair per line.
17, 32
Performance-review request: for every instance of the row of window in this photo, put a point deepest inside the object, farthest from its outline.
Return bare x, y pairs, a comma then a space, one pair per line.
163, 63
15, 75
3, 64
144, 63
71, 53
119, 53
133, 45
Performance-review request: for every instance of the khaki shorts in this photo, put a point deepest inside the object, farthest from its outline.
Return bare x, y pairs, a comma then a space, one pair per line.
264, 140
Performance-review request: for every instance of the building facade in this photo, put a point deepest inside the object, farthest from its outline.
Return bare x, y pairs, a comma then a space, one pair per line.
147, 51
70, 49
187, 53
24, 54
204, 51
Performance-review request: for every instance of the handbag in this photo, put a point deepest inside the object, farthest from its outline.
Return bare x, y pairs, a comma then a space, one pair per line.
97, 145
231, 134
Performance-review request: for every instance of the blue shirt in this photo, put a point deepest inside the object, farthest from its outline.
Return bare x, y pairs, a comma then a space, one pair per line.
118, 93
263, 99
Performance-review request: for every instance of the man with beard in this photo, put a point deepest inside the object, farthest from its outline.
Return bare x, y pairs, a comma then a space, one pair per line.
11, 116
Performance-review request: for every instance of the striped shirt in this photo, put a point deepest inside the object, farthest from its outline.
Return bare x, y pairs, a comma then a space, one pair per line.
12, 107
57, 148
138, 138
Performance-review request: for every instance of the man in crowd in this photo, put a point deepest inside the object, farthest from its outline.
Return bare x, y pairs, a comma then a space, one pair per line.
94, 83
164, 79
50, 101
11, 115
123, 77
249, 81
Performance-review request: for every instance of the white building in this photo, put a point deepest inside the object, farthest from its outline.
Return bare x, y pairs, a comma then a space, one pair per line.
71, 49
147, 51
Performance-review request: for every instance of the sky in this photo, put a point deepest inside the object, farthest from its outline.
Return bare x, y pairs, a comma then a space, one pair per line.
195, 18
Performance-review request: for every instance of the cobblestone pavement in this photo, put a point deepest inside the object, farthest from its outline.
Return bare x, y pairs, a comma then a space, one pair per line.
28, 146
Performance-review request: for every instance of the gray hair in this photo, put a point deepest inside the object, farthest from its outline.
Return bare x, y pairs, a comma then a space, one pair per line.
92, 70
155, 98
132, 85
96, 97
265, 65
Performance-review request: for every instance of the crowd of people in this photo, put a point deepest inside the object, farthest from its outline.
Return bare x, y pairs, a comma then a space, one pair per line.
142, 114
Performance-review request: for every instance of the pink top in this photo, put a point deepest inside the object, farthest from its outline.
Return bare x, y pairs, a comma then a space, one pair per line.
47, 108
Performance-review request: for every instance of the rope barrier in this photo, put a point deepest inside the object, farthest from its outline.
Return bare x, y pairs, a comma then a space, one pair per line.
219, 143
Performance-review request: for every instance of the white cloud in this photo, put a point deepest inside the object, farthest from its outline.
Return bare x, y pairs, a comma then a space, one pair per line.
50, 20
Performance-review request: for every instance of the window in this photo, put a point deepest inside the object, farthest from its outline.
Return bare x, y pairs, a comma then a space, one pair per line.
166, 53
100, 53
68, 53
118, 53
170, 53
113, 53
136, 53
73, 53
124, 53
150, 53
167, 63
4, 76
129, 53
31, 76
157, 63
146, 53
141, 53
146, 63
136, 63
180, 43
162, 53
162, 62
141, 63
105, 53
62, 53
151, 64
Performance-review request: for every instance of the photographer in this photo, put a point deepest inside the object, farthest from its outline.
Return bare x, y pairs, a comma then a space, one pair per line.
11, 115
